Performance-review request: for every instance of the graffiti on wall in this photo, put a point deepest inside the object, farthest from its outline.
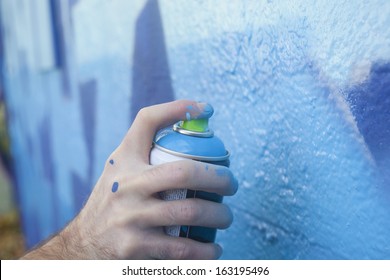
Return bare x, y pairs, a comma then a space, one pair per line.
309, 138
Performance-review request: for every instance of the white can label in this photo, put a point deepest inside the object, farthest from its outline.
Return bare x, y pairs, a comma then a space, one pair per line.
159, 157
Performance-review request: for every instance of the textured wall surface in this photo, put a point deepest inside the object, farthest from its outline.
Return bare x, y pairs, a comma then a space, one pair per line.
301, 93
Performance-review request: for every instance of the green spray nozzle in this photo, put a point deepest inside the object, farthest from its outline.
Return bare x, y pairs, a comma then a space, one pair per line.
199, 125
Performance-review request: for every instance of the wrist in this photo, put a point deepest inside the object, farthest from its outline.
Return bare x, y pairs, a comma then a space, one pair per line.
52, 249
64, 246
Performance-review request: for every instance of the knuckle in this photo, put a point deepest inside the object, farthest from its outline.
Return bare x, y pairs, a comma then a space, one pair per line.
142, 113
177, 173
189, 211
180, 173
184, 211
181, 251
178, 250
170, 214
145, 115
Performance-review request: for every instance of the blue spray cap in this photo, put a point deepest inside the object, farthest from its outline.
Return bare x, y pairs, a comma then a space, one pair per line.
192, 139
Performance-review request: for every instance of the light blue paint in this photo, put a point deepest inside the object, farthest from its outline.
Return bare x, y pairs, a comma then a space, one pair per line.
279, 75
201, 111
222, 172
206, 112
188, 115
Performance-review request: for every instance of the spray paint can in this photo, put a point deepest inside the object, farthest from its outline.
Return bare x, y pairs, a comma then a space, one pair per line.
193, 140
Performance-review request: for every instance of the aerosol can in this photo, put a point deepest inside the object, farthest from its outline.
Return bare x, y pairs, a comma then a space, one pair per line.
191, 139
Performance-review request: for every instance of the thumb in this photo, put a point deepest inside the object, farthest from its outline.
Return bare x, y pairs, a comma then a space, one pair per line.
149, 120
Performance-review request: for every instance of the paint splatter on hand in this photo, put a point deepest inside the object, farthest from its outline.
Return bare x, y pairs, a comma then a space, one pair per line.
199, 111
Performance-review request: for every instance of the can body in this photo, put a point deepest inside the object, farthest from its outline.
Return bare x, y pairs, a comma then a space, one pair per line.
160, 155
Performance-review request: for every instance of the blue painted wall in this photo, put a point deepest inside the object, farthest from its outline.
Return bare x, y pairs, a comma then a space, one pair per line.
301, 94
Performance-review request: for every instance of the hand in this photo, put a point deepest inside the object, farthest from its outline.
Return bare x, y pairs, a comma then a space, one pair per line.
124, 216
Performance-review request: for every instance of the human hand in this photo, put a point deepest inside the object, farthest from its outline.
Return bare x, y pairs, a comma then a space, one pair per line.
124, 216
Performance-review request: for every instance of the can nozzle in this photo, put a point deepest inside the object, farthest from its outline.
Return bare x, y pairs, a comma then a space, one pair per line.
197, 128
200, 125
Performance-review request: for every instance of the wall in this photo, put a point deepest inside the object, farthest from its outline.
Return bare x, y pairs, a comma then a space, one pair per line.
300, 91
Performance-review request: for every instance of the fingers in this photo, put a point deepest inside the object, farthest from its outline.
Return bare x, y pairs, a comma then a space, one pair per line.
150, 119
192, 212
166, 247
188, 174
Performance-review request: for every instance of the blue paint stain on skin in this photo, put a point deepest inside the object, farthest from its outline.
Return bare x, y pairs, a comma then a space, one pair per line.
200, 111
192, 110
111, 161
207, 167
115, 187
206, 111
222, 172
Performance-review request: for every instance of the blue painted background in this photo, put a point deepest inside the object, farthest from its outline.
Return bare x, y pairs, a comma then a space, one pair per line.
301, 93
